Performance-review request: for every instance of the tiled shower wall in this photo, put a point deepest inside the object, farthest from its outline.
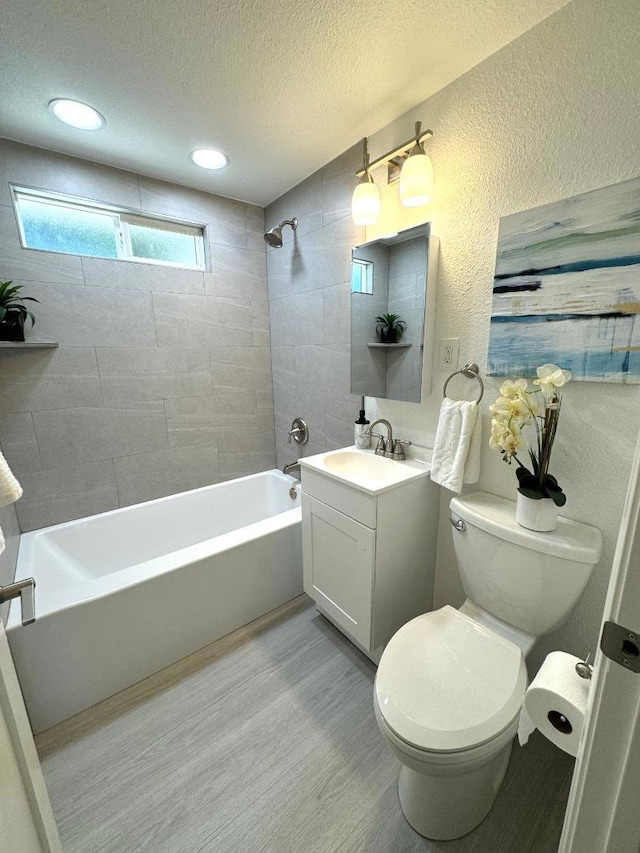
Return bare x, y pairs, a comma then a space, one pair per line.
309, 293
162, 380
11, 532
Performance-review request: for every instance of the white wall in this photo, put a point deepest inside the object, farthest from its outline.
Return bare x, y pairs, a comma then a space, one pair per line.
555, 113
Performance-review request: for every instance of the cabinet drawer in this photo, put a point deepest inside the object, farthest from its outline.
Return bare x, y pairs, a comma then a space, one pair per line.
338, 560
351, 502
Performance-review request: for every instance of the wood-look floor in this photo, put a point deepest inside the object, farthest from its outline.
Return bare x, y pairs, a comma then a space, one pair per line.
266, 741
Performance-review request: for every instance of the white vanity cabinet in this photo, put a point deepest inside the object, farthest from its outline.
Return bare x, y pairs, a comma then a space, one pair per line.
369, 554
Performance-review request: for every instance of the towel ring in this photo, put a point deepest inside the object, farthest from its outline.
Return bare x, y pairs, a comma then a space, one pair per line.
471, 371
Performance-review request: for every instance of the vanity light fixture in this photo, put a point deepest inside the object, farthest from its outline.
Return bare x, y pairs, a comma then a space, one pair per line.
209, 158
417, 182
416, 177
76, 114
365, 202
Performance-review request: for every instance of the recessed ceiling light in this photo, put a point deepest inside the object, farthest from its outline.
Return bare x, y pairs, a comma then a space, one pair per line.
77, 114
209, 158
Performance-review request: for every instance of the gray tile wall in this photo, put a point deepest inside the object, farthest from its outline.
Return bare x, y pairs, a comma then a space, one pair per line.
11, 532
309, 302
162, 381
369, 366
8, 558
407, 274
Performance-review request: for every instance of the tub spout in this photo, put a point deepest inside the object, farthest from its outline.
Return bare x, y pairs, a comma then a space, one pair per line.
291, 466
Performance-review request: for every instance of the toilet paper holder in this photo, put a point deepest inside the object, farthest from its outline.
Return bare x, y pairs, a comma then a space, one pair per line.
584, 668
558, 720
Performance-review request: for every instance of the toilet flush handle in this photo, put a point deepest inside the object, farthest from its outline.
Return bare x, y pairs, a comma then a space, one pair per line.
459, 524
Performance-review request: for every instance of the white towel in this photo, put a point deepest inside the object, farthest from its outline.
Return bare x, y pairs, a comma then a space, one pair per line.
472, 465
456, 451
10, 488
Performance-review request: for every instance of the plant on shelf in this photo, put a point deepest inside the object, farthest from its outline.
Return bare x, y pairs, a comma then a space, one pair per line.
390, 328
518, 408
13, 311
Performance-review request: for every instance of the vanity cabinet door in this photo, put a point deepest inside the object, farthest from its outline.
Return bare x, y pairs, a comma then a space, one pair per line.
338, 558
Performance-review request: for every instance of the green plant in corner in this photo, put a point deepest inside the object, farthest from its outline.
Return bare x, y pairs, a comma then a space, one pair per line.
13, 311
390, 327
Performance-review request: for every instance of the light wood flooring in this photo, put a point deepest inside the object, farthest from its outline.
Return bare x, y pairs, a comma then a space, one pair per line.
266, 741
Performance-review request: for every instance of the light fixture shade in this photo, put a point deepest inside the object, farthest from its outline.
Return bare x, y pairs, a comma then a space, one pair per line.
416, 179
365, 202
209, 158
76, 114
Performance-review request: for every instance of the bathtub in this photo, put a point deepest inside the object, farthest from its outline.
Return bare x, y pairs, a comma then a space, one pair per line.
123, 594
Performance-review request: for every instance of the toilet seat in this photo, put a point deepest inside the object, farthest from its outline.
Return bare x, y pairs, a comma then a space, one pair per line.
445, 683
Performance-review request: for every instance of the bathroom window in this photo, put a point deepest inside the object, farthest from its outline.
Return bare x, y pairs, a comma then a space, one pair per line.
361, 276
57, 223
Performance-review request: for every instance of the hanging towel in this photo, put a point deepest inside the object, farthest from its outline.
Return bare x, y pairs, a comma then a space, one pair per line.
10, 488
456, 451
472, 465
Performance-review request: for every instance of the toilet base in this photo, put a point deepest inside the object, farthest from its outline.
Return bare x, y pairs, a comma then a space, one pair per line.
447, 806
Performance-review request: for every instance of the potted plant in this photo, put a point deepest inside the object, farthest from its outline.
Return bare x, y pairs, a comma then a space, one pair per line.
13, 311
390, 328
539, 494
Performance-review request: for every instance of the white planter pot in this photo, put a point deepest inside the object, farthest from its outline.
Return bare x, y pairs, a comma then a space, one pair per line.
541, 515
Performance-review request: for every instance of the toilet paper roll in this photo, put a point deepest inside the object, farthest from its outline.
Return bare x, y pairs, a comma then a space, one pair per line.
555, 703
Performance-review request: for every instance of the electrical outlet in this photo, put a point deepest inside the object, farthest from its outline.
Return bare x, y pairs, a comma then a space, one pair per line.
449, 353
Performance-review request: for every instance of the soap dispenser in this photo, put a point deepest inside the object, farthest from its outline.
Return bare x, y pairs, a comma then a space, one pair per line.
362, 440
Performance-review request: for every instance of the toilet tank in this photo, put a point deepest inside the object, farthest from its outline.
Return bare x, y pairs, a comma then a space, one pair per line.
530, 580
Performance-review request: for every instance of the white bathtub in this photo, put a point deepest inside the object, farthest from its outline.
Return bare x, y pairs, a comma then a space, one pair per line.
123, 594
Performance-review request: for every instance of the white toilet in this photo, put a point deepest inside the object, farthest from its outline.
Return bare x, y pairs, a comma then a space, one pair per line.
450, 683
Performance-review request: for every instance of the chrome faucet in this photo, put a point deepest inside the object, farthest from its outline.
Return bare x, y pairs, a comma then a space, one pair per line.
392, 447
383, 447
291, 466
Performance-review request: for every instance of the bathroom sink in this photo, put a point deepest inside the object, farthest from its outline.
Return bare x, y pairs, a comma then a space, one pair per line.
364, 470
361, 465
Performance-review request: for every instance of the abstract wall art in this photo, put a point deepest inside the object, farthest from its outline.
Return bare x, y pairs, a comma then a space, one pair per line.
567, 287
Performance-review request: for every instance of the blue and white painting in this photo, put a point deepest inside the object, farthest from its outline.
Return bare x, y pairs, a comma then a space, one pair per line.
567, 288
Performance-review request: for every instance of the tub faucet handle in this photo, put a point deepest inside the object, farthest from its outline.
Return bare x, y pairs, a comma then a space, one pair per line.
25, 591
299, 432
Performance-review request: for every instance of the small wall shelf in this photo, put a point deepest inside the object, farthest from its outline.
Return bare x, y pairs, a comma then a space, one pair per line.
388, 346
28, 344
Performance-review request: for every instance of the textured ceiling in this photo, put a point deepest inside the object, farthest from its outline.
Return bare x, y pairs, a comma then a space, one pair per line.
281, 87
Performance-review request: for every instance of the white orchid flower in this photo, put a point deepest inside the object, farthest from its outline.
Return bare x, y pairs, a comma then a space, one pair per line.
514, 390
518, 410
550, 376
505, 436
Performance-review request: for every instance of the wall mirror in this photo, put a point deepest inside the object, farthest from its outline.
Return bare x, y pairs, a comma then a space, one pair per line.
393, 279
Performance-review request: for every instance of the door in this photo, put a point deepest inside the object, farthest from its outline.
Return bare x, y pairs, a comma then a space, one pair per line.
338, 560
27, 824
603, 813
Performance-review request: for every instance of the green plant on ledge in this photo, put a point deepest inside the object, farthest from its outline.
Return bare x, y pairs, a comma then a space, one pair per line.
390, 328
13, 311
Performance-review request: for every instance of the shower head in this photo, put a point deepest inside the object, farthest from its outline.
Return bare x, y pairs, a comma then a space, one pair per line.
274, 235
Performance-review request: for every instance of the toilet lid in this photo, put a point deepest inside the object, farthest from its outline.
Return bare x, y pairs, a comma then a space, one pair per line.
446, 683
